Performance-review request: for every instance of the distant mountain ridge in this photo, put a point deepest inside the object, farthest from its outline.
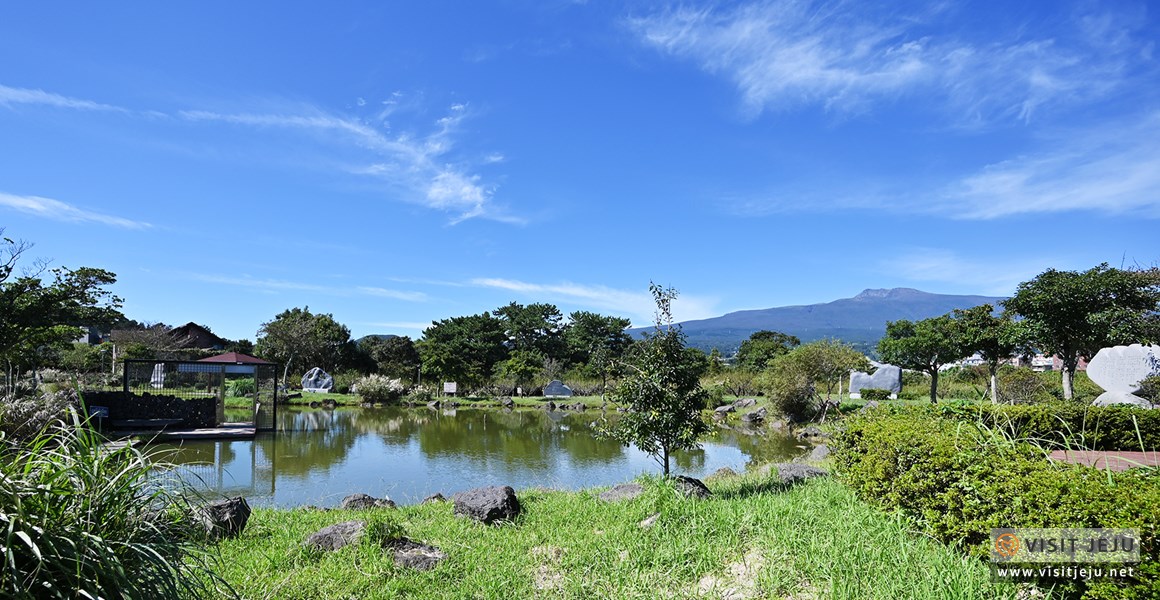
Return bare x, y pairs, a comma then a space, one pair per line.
860, 320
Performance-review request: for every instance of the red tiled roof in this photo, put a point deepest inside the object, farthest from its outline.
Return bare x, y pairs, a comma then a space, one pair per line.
236, 358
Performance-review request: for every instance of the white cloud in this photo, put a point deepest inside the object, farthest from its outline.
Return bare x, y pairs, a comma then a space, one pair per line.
278, 285
782, 54
638, 306
61, 211
395, 294
989, 277
10, 96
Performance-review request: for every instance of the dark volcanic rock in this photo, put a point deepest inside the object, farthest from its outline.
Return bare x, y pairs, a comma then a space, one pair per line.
436, 497
623, 491
723, 410
744, 402
488, 504
820, 453
337, 536
791, 473
756, 416
692, 488
225, 519
363, 502
415, 555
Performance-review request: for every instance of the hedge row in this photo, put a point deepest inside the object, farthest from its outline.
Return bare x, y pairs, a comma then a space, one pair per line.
1068, 424
959, 481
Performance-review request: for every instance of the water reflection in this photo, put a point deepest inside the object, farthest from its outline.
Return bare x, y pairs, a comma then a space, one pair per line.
320, 456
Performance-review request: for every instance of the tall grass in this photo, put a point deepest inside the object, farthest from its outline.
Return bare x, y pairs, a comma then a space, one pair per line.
79, 519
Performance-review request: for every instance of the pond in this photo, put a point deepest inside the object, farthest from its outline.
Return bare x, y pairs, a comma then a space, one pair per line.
321, 456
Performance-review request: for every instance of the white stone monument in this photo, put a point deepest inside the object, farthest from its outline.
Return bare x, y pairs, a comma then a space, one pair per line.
317, 381
1119, 370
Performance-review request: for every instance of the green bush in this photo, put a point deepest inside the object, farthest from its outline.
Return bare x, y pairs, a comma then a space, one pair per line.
378, 388
1069, 425
420, 395
241, 388
790, 393
83, 521
876, 395
959, 481
22, 420
345, 381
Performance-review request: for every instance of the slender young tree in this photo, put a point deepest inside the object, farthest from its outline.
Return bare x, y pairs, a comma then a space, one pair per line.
995, 338
924, 346
661, 388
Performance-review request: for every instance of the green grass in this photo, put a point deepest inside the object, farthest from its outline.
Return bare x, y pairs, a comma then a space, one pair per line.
812, 541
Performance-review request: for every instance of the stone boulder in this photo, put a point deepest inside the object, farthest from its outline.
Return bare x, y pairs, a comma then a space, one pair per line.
433, 405
820, 453
722, 473
870, 405
744, 402
756, 416
793, 473
811, 432
691, 488
721, 411
364, 502
649, 521
623, 491
415, 555
507, 402
226, 518
337, 536
436, 497
488, 504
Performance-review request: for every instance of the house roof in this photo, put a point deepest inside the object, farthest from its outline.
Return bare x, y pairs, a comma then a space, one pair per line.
236, 358
197, 336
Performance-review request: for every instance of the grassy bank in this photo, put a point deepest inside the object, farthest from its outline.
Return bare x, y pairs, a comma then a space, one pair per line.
812, 541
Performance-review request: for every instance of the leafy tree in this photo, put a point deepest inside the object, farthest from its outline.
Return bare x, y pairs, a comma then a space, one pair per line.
522, 367
762, 347
792, 379
716, 362
147, 340
661, 389
596, 341
395, 356
536, 327
35, 315
300, 339
1074, 314
827, 362
922, 346
464, 349
995, 338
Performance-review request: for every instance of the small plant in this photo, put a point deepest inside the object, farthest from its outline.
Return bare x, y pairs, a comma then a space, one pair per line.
242, 388
420, 395
378, 388
876, 395
84, 521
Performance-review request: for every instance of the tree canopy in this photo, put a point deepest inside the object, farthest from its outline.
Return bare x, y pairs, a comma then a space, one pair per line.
922, 346
1073, 314
762, 347
300, 340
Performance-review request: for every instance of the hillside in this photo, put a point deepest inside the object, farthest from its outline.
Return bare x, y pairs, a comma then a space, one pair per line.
860, 320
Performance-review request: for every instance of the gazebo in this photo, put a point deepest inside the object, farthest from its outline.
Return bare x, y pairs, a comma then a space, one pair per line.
265, 390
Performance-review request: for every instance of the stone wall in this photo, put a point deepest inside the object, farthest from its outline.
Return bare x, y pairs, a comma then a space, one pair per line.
195, 412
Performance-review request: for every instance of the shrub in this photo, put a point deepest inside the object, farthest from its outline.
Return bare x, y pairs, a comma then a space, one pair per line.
875, 394
420, 395
23, 419
790, 393
345, 381
378, 388
1070, 425
241, 388
1023, 386
959, 481
86, 521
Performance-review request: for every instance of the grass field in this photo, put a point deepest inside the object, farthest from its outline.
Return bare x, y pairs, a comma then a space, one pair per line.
753, 539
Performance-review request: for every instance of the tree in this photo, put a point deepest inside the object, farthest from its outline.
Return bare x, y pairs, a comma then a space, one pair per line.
536, 327
661, 389
298, 338
762, 347
995, 338
1073, 314
394, 356
792, 379
464, 349
924, 346
597, 342
522, 367
35, 315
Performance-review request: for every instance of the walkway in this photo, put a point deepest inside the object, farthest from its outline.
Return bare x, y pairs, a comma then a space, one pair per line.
1114, 460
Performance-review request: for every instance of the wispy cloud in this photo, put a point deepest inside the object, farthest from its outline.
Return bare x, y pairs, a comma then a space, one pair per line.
926, 265
10, 96
638, 306
847, 56
404, 325
62, 211
279, 285
422, 168
1109, 170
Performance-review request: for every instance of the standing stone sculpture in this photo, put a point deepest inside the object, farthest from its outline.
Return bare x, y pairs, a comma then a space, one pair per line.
318, 381
886, 377
1119, 370
557, 389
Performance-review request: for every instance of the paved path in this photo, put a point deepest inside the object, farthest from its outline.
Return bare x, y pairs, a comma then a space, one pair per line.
1114, 460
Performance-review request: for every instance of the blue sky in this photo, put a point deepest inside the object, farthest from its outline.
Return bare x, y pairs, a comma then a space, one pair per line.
395, 163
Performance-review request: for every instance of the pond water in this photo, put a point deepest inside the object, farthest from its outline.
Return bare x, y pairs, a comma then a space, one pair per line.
321, 456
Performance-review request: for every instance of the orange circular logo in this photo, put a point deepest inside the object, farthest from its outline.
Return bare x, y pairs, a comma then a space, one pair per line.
1007, 545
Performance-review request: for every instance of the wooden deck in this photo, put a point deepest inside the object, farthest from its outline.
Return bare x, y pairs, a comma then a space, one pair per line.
225, 431
1113, 460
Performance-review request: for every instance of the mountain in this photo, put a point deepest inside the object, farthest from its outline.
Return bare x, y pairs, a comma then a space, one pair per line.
860, 320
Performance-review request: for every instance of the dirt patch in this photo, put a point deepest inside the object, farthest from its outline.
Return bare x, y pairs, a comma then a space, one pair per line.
738, 582
548, 576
